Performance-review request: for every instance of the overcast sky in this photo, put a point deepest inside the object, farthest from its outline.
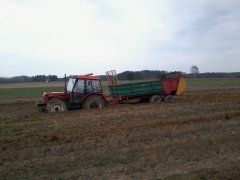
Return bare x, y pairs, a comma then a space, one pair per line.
82, 36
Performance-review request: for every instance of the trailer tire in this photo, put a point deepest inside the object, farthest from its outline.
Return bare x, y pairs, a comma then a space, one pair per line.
155, 99
94, 102
56, 105
168, 99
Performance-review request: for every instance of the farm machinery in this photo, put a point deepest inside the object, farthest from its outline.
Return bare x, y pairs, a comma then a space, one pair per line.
86, 92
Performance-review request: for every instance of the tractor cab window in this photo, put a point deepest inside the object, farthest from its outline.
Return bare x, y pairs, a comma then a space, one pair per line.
70, 84
93, 86
79, 87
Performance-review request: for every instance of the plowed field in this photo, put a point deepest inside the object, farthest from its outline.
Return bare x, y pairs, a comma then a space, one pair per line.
197, 137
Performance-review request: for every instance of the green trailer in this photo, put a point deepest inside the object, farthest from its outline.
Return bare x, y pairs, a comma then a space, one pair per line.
136, 89
152, 91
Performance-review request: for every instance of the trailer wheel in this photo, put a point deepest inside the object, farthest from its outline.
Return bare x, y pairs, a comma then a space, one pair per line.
56, 105
94, 102
168, 99
155, 99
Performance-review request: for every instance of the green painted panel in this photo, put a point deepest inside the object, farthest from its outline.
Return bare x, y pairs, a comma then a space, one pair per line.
136, 89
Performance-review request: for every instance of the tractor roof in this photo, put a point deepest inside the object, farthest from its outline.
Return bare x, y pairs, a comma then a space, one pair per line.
87, 76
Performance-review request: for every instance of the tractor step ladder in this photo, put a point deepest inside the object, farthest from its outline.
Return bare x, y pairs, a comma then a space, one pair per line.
112, 78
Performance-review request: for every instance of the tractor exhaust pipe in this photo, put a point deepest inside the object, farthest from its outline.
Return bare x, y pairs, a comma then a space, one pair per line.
65, 85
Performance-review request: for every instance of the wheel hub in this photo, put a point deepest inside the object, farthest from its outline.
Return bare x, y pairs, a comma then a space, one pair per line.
94, 105
57, 108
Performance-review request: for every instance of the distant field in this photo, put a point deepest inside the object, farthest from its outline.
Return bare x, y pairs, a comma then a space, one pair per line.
31, 90
31, 85
26, 92
209, 83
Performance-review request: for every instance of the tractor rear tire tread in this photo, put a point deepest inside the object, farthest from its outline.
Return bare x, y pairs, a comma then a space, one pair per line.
94, 102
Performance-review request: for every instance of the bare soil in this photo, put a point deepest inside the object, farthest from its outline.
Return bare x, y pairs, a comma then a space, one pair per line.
197, 137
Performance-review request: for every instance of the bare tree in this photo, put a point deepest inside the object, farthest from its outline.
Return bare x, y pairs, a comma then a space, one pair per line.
194, 70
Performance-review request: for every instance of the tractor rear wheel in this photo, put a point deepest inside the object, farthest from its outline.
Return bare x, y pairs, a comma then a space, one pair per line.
94, 102
155, 99
56, 105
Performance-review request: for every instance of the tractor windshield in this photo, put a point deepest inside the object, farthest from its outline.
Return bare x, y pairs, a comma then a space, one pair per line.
70, 84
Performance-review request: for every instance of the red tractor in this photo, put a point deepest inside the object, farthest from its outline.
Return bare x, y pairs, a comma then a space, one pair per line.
81, 91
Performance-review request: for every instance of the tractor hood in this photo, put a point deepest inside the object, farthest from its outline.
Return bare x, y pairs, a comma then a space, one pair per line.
55, 95
51, 95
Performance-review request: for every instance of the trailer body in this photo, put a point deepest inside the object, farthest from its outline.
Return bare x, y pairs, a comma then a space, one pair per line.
136, 89
170, 85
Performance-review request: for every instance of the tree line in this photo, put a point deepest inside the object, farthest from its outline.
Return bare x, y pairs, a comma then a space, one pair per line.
37, 78
213, 75
147, 75
141, 75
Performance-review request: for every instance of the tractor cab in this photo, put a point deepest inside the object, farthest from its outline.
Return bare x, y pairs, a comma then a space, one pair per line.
79, 87
84, 84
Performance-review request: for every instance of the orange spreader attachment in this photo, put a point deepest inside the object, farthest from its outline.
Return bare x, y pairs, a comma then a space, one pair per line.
181, 86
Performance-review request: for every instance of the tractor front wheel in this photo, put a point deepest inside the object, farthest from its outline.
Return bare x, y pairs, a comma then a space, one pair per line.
56, 105
94, 102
